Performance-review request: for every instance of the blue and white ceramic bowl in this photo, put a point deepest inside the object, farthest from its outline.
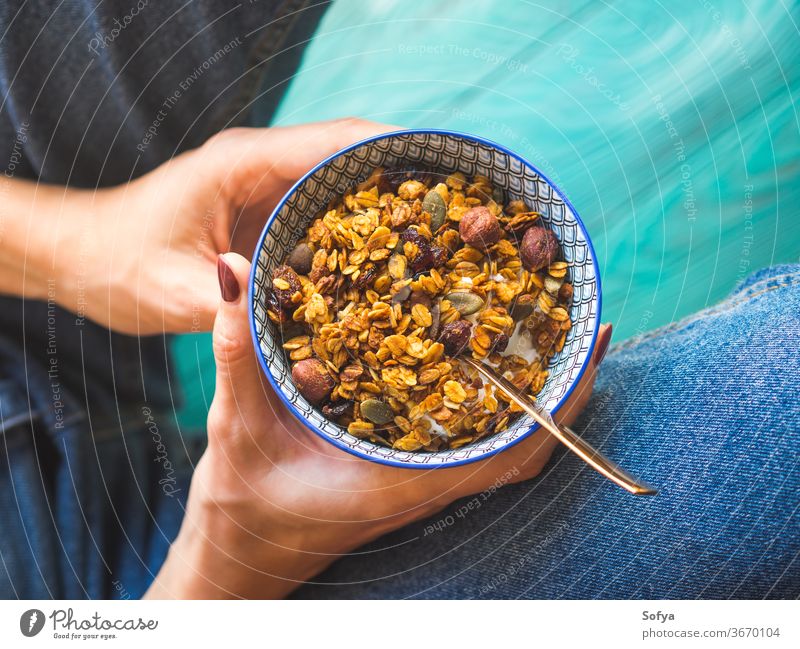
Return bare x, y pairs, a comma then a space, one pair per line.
445, 152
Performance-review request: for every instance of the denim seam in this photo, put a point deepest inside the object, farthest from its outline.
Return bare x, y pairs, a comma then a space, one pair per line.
781, 281
767, 281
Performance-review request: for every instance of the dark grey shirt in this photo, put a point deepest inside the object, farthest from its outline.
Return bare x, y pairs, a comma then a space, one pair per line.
96, 93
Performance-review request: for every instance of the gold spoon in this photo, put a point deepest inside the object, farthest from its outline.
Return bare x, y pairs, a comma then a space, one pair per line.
565, 435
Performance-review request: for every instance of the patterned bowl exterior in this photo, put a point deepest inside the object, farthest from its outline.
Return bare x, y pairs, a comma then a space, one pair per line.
445, 152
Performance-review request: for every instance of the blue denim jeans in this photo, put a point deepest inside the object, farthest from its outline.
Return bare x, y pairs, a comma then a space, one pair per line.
91, 496
708, 409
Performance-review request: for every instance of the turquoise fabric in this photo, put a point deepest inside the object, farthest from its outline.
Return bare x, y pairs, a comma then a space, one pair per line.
671, 127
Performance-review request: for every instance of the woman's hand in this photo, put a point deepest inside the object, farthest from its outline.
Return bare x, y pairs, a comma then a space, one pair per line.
141, 258
271, 504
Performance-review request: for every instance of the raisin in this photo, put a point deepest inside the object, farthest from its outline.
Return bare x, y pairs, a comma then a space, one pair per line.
455, 336
365, 278
565, 293
334, 409
392, 178
274, 307
499, 343
318, 272
429, 255
413, 235
440, 256
284, 295
423, 261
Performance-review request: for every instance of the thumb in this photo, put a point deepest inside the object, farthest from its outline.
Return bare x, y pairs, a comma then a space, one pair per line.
238, 375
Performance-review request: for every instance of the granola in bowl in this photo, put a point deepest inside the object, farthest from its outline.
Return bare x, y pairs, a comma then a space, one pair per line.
399, 276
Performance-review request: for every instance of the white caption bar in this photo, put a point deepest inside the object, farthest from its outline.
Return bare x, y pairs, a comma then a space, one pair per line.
401, 624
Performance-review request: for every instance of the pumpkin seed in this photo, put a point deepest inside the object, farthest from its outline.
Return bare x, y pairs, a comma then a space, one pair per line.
434, 205
376, 411
464, 302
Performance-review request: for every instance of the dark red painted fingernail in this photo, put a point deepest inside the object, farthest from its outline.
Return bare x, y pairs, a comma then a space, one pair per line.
228, 286
602, 344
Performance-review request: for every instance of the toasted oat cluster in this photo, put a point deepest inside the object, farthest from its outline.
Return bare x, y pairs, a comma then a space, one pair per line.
397, 279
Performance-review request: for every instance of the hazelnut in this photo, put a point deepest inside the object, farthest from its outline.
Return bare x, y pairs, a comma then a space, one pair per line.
301, 258
311, 377
539, 248
479, 228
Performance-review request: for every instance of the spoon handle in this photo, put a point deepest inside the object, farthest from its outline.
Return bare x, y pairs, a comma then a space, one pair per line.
565, 435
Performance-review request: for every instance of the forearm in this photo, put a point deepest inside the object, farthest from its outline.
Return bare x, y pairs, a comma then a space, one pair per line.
240, 548
41, 227
205, 564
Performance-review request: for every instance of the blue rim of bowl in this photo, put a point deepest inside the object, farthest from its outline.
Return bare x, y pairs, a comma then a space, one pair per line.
345, 447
